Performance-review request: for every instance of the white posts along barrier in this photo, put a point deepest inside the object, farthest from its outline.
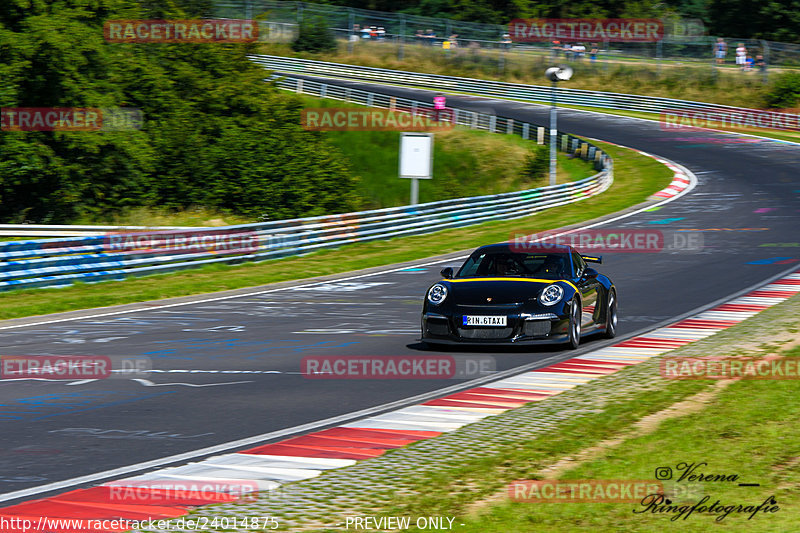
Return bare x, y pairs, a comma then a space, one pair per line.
118, 252
497, 89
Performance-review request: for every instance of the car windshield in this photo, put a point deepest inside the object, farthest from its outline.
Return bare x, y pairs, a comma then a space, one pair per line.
507, 264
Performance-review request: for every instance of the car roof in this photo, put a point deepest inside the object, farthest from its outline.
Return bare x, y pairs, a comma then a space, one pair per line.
525, 247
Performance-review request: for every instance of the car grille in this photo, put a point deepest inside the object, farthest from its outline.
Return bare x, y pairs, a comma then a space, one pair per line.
537, 328
482, 306
485, 333
438, 327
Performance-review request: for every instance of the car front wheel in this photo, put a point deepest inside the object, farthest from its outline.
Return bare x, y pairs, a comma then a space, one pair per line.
574, 338
611, 316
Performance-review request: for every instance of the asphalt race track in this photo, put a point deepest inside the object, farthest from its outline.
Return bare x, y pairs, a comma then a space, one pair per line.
748, 195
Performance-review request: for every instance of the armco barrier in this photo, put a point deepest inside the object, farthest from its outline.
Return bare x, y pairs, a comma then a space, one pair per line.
118, 254
69, 230
495, 89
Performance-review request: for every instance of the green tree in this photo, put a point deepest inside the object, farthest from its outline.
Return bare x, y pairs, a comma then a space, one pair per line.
537, 163
784, 92
314, 35
777, 20
215, 134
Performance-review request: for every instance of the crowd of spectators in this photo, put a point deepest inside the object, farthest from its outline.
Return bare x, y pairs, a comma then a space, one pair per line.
375, 33
572, 51
426, 37
744, 60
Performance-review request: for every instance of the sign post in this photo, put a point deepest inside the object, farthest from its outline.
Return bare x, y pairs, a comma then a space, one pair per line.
416, 160
555, 74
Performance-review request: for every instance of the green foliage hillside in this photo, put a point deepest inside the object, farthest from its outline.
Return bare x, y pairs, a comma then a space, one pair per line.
214, 134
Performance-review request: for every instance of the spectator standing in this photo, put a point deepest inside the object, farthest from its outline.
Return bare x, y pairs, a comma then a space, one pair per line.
749, 62
381, 33
741, 56
568, 51
556, 49
578, 50
593, 53
760, 63
720, 51
365, 32
506, 42
453, 40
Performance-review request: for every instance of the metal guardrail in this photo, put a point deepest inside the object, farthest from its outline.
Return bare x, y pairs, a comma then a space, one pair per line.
496, 89
70, 230
119, 253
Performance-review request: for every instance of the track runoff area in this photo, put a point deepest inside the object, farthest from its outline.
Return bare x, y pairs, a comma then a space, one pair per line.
227, 374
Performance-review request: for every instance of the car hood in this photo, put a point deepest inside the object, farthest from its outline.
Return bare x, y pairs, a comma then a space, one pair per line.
477, 291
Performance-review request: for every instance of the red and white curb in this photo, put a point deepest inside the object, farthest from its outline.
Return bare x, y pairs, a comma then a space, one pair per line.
680, 181
173, 492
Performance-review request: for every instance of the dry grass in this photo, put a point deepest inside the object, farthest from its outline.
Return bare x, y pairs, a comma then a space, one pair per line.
685, 81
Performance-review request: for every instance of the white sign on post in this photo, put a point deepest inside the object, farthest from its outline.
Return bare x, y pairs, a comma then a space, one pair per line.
416, 159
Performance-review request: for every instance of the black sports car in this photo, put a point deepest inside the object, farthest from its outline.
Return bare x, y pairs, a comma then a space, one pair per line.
505, 293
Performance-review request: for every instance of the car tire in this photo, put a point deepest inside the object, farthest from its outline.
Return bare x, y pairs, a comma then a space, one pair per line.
611, 315
574, 326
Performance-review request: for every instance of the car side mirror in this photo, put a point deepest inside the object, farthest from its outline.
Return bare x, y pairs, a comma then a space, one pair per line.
590, 273
447, 272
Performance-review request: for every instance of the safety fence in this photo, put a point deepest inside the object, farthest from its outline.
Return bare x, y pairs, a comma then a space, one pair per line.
120, 252
494, 89
684, 39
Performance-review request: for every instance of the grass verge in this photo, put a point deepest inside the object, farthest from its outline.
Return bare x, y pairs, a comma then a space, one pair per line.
636, 178
153, 216
747, 428
465, 163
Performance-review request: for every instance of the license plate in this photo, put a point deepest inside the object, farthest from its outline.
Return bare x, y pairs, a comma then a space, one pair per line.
473, 320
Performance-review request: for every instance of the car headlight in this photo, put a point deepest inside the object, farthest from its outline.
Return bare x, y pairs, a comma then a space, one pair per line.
551, 295
437, 294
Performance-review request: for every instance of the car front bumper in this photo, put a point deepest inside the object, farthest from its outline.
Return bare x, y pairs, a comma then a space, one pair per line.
523, 328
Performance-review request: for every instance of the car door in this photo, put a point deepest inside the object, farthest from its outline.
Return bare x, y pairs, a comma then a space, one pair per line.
588, 285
